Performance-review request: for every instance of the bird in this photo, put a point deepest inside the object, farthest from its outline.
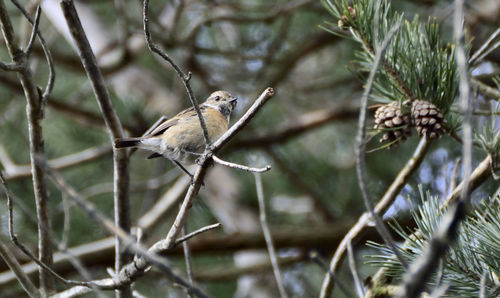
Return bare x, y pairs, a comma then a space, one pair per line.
181, 138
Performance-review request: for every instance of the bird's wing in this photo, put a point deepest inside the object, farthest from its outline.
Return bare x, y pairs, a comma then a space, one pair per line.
162, 127
185, 114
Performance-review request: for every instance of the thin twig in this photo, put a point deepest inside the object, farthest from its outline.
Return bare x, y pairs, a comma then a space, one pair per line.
113, 124
185, 238
24, 249
146, 256
240, 167
10, 66
385, 202
485, 49
14, 265
14, 171
479, 175
420, 271
185, 78
361, 144
486, 90
354, 271
66, 222
267, 235
454, 175
316, 259
48, 55
34, 31
35, 115
189, 264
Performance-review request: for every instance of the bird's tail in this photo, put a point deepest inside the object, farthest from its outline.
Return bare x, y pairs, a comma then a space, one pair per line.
128, 142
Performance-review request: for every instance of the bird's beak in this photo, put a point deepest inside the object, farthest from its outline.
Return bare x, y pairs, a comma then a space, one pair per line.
233, 101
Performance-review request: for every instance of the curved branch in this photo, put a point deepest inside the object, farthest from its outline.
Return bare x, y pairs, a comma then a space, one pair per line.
364, 221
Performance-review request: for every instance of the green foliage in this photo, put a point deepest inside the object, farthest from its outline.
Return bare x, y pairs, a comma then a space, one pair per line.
417, 63
475, 252
489, 141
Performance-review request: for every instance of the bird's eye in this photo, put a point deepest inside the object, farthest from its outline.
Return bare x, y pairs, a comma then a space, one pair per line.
217, 98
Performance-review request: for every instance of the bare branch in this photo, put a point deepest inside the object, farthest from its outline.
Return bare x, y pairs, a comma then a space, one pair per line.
185, 238
486, 48
14, 265
486, 90
360, 152
35, 115
240, 167
34, 31
189, 265
185, 78
115, 130
14, 171
354, 271
478, 176
10, 66
127, 274
48, 56
385, 202
23, 248
321, 263
421, 270
267, 235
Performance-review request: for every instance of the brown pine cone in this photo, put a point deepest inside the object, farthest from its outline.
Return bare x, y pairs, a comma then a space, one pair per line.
427, 119
393, 122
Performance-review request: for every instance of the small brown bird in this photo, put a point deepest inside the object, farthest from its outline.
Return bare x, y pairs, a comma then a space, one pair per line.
180, 138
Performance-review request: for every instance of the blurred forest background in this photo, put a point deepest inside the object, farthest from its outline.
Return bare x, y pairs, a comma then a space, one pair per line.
306, 132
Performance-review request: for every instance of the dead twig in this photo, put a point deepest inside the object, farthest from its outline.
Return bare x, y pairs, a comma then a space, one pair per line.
189, 264
267, 235
184, 77
35, 113
113, 124
354, 271
186, 237
14, 265
240, 167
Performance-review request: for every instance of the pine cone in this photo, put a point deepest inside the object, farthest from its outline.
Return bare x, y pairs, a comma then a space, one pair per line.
427, 119
390, 119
